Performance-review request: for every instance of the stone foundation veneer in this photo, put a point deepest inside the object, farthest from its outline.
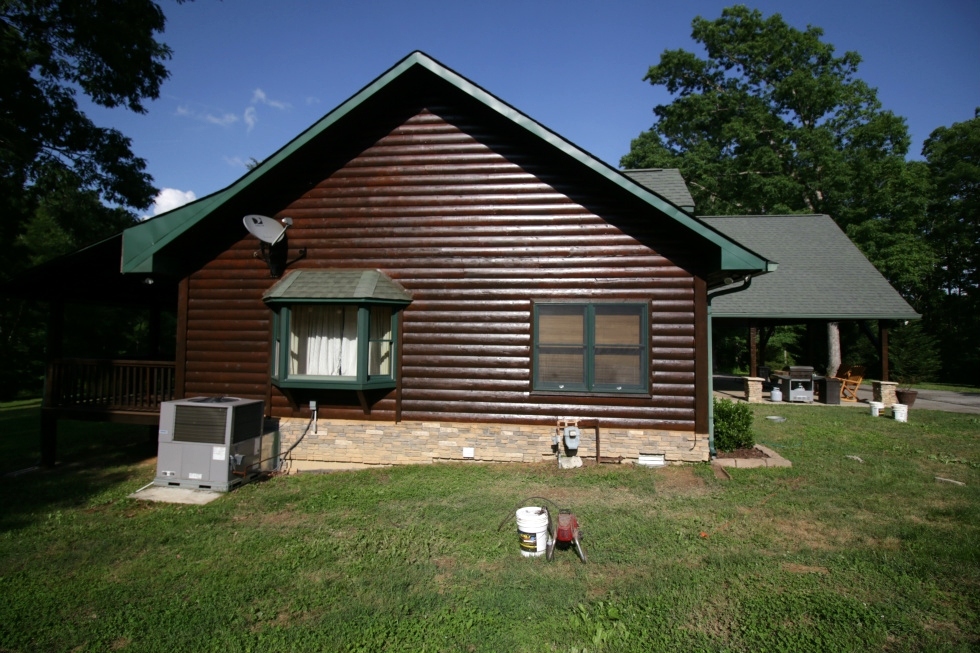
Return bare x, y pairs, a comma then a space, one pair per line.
406, 443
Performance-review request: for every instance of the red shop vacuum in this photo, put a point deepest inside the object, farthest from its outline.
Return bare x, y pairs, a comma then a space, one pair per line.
563, 535
566, 534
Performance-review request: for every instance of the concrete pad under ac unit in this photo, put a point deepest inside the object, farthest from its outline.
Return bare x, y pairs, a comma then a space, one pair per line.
175, 495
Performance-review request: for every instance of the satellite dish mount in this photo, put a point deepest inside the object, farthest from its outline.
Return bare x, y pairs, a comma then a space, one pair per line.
273, 243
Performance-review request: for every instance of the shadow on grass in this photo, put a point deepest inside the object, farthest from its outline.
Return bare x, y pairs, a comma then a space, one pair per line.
93, 457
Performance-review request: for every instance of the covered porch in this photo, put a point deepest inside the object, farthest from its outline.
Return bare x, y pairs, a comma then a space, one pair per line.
823, 281
106, 389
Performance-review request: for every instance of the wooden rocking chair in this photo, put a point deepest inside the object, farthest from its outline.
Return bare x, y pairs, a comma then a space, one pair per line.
850, 381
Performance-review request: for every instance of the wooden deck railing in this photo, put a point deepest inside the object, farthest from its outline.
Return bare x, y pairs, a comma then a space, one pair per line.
108, 385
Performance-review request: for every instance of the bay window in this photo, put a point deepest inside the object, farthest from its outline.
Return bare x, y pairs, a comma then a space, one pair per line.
323, 338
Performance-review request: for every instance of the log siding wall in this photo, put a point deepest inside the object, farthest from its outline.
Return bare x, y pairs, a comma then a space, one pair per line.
473, 226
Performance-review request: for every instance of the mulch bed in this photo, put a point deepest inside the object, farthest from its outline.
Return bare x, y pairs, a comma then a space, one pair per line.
742, 453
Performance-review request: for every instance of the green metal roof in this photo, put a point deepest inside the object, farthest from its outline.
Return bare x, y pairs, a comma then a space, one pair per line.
822, 275
338, 285
143, 244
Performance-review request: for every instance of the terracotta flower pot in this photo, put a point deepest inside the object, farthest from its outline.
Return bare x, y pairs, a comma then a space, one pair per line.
906, 397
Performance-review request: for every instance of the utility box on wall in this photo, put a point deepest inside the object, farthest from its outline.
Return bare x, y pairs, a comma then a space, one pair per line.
213, 443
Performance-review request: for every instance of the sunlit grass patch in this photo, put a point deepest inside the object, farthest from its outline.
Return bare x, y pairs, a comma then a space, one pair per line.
832, 554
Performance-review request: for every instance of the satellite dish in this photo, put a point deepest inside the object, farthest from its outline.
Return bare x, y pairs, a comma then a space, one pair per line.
268, 230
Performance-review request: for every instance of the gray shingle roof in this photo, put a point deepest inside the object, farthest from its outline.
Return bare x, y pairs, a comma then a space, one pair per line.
821, 274
320, 285
666, 182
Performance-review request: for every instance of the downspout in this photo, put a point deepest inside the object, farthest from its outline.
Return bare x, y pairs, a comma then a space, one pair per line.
711, 376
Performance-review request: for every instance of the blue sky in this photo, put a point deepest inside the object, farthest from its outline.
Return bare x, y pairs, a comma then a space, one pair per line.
249, 75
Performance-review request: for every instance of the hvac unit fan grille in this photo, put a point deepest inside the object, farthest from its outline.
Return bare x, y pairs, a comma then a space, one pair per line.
200, 424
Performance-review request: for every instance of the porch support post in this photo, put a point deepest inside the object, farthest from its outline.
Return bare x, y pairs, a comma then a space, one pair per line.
49, 419
49, 437
883, 340
809, 342
56, 330
154, 333
180, 369
753, 351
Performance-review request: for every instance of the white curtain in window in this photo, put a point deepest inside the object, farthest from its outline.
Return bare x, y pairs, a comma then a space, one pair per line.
380, 359
323, 340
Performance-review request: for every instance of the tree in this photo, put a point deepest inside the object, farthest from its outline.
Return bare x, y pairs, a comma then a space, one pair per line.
953, 229
772, 121
49, 51
64, 181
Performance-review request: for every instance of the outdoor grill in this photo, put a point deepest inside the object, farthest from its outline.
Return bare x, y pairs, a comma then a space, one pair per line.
798, 385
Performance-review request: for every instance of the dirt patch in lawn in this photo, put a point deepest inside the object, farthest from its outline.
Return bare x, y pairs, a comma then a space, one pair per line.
804, 569
808, 535
680, 479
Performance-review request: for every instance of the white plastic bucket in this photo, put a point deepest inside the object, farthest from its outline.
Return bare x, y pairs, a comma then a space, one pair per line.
775, 394
532, 531
876, 408
900, 412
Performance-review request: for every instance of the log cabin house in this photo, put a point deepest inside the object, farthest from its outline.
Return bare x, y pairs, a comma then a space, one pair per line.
455, 281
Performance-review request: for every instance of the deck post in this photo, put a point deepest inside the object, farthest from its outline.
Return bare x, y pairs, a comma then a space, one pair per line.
883, 341
49, 419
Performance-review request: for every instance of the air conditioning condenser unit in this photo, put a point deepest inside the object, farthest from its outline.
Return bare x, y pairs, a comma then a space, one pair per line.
213, 443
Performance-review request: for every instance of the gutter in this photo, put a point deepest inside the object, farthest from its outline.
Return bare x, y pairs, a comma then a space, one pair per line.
725, 290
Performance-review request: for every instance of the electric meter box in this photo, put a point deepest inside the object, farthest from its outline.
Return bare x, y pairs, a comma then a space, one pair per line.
213, 443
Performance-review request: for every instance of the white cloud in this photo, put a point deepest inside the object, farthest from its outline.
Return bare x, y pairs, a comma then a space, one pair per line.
259, 97
251, 117
223, 120
168, 199
236, 161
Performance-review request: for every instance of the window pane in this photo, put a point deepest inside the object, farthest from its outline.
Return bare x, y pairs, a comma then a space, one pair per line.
618, 325
561, 365
275, 359
323, 340
379, 354
618, 366
618, 345
380, 323
561, 325
380, 359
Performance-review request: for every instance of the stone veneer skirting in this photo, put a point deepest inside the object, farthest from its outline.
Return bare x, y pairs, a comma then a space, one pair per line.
385, 443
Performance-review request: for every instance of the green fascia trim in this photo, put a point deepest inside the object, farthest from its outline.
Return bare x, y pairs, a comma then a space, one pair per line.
143, 241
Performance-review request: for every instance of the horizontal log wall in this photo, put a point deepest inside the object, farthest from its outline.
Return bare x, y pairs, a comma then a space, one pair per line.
476, 228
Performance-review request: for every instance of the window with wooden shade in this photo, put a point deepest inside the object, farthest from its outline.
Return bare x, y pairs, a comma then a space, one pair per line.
591, 347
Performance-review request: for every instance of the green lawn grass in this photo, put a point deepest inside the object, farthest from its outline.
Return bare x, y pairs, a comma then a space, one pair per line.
970, 389
830, 555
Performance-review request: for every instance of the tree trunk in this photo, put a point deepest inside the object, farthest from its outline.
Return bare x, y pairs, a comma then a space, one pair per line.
833, 348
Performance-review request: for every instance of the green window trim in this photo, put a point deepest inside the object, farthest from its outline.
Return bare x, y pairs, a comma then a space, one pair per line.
280, 364
591, 347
